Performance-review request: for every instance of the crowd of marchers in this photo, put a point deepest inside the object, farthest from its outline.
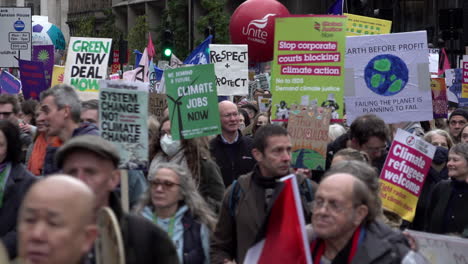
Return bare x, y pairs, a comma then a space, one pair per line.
204, 200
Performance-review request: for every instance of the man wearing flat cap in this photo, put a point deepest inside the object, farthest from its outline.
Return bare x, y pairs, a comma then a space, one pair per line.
94, 160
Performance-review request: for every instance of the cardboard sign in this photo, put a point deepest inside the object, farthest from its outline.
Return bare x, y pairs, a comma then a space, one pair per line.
57, 75
231, 68
404, 172
434, 61
9, 84
465, 77
309, 138
123, 114
86, 64
264, 103
388, 75
361, 25
32, 78
441, 249
192, 101
45, 54
157, 104
15, 35
263, 82
308, 63
439, 97
109, 247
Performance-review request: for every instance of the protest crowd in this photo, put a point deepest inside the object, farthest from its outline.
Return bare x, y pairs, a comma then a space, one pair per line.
335, 151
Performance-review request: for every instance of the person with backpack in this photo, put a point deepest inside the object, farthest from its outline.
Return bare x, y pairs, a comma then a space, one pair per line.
247, 201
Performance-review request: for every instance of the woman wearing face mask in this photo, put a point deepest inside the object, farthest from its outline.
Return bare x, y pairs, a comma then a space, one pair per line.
193, 155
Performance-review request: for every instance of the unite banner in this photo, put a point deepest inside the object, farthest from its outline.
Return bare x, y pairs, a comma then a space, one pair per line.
308, 64
404, 172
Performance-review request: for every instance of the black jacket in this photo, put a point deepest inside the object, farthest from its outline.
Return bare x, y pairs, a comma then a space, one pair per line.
18, 183
143, 241
233, 159
446, 212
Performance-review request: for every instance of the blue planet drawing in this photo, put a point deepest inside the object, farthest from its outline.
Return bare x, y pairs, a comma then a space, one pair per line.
386, 75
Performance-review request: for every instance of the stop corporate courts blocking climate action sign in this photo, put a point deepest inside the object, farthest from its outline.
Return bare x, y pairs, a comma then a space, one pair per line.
192, 101
86, 64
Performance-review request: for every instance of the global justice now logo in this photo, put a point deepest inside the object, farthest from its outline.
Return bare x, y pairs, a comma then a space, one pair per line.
255, 29
328, 26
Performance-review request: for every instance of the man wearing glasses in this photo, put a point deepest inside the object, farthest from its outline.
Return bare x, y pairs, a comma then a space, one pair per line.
457, 120
231, 150
367, 133
95, 161
344, 219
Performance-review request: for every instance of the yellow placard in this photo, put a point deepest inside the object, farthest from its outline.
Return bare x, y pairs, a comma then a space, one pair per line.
398, 200
361, 25
57, 75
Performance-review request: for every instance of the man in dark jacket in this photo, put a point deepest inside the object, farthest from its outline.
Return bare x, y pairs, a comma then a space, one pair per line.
95, 161
248, 200
62, 112
344, 220
231, 151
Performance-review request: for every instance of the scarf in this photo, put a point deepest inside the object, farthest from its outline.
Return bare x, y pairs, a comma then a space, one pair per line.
346, 255
36, 160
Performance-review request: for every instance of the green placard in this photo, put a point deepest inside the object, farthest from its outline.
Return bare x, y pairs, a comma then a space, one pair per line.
307, 68
192, 101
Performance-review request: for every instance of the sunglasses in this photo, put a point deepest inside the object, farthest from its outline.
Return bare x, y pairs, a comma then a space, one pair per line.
165, 184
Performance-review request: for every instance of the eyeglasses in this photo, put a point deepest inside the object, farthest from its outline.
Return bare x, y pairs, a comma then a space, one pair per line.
165, 184
236, 114
332, 206
5, 114
375, 149
455, 122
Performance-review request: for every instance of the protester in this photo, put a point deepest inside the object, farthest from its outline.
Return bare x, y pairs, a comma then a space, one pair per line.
456, 121
244, 119
440, 138
231, 150
9, 110
56, 222
174, 204
15, 180
345, 219
27, 115
37, 151
247, 201
437, 173
260, 120
367, 133
90, 111
464, 134
194, 156
95, 161
62, 110
446, 212
251, 109
349, 154
334, 131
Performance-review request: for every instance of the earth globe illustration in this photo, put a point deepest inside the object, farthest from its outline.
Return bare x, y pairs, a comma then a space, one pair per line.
386, 75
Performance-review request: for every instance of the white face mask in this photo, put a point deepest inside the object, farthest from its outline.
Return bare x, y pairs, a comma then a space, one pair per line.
170, 146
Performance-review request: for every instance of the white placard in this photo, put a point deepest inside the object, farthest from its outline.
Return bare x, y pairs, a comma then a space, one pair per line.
231, 68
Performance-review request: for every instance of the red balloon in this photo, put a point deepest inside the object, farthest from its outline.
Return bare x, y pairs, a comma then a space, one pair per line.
253, 24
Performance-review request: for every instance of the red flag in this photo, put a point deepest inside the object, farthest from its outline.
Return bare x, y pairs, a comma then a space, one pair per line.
285, 238
444, 62
150, 47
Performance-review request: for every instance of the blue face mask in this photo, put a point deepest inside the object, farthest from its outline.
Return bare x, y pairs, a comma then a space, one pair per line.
170, 146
